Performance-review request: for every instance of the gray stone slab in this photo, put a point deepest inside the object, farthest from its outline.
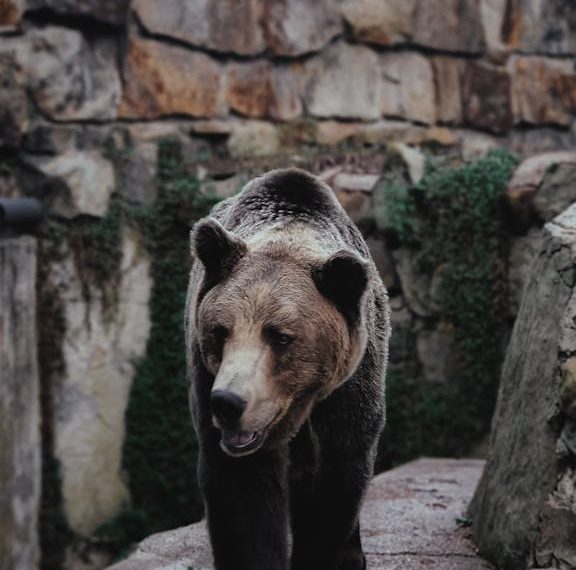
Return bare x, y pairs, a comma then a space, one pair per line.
410, 520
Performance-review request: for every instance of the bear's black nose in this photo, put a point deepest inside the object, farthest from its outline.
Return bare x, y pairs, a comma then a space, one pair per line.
227, 407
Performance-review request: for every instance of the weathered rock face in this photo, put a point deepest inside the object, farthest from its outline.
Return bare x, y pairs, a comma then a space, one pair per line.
449, 25
88, 179
557, 191
452, 25
486, 97
343, 82
262, 90
544, 90
69, 78
533, 26
225, 26
160, 80
99, 348
19, 406
408, 89
109, 11
295, 27
524, 510
383, 23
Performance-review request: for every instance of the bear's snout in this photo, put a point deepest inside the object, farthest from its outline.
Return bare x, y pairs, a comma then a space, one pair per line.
227, 407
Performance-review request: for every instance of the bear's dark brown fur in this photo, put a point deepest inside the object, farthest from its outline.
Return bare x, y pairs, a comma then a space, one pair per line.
287, 325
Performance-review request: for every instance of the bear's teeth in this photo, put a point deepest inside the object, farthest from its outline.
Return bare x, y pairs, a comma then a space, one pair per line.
241, 439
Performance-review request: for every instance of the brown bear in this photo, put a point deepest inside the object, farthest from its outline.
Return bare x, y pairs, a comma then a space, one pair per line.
287, 326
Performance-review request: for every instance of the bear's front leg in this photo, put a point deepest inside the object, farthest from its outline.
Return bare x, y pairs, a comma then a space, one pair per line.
325, 512
247, 509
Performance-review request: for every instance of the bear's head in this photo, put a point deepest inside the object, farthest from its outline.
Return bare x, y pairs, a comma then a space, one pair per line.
278, 329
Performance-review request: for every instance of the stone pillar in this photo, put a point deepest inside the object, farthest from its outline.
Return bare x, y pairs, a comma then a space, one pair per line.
524, 510
20, 454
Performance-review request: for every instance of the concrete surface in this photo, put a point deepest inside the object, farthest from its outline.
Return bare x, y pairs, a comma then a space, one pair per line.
409, 521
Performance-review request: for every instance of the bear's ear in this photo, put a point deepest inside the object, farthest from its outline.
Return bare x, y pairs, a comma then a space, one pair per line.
216, 248
342, 279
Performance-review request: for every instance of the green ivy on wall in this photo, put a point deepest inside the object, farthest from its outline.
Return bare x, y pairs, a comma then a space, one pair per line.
453, 223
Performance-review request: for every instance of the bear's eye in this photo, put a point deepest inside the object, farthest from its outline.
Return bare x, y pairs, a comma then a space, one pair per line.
220, 334
278, 338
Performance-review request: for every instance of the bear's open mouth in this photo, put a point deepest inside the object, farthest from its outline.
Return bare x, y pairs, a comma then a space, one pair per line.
240, 443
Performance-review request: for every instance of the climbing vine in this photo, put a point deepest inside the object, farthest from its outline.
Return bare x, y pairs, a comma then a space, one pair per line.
453, 224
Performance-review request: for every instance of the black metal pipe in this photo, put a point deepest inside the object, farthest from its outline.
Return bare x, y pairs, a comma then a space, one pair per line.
20, 212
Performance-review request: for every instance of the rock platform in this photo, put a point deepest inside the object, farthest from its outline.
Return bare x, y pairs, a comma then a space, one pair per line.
412, 519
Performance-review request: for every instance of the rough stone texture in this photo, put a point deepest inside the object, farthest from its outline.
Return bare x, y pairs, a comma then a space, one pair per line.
437, 354
383, 23
408, 90
409, 521
524, 509
88, 179
295, 27
523, 251
109, 11
557, 191
253, 138
19, 406
262, 90
449, 25
544, 27
486, 97
160, 80
525, 183
13, 111
443, 25
229, 26
99, 349
493, 18
343, 82
10, 14
448, 78
68, 78
544, 90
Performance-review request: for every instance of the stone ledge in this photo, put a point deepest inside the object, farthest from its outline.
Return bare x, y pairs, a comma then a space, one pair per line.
410, 520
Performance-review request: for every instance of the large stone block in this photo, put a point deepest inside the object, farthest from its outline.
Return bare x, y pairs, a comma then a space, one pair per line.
67, 77
260, 89
87, 179
544, 90
542, 27
295, 27
486, 97
524, 510
19, 406
229, 26
383, 23
90, 399
109, 11
448, 78
442, 25
408, 89
449, 25
343, 82
161, 79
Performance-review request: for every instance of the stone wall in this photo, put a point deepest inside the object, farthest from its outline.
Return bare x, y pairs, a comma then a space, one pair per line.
264, 76
19, 406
